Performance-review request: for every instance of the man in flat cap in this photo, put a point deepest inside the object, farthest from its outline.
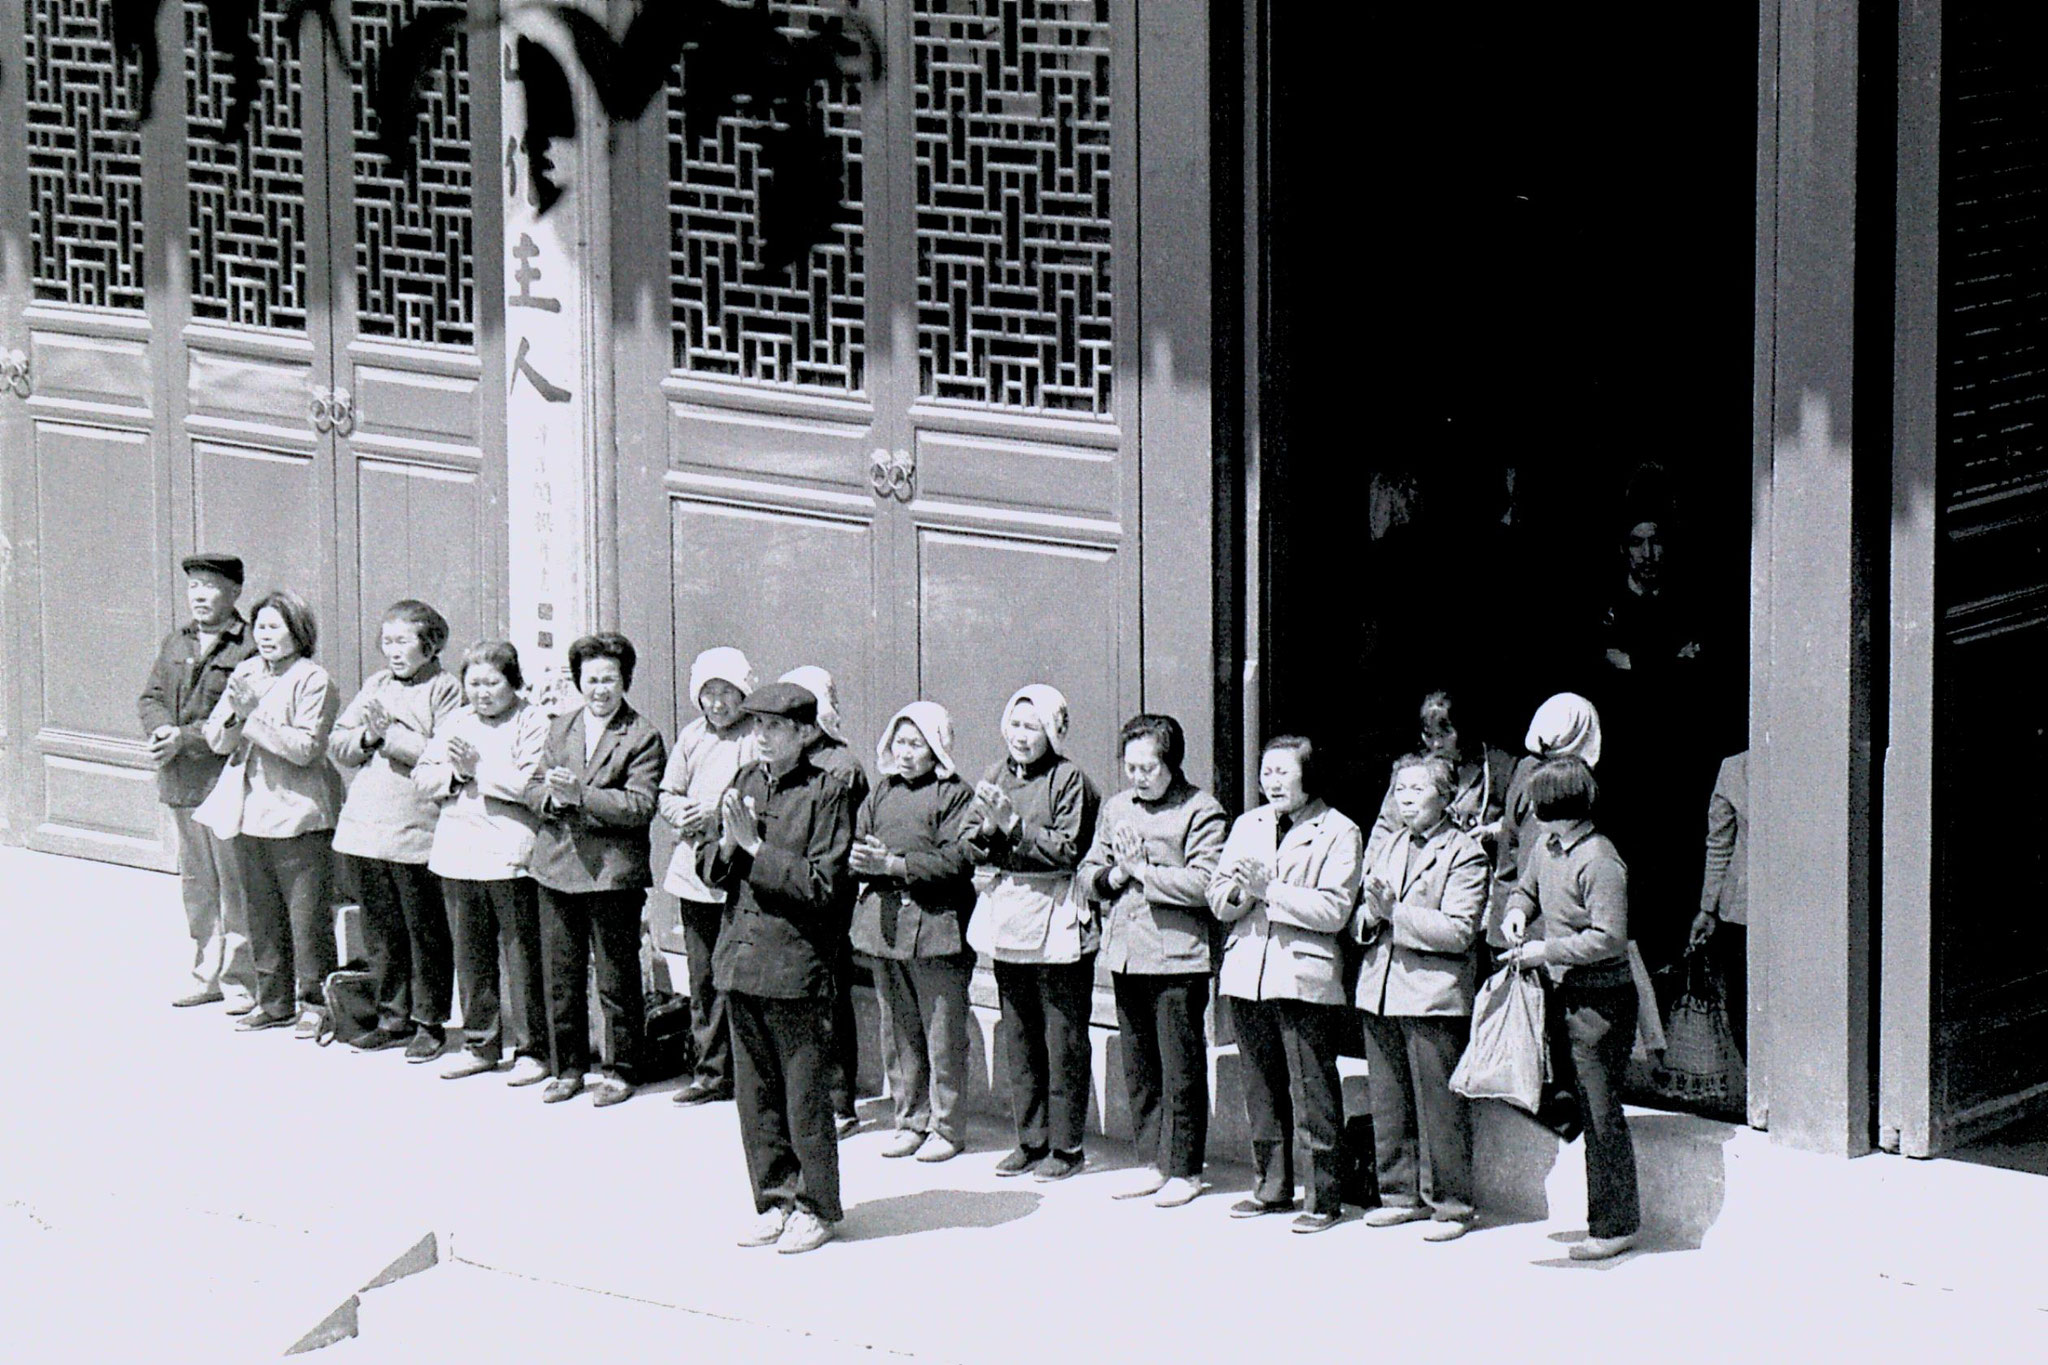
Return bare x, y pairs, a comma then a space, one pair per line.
190, 673
785, 832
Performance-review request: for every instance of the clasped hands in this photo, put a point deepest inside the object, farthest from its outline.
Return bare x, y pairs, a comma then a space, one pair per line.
872, 858
1250, 877
998, 811
463, 758
738, 826
1128, 857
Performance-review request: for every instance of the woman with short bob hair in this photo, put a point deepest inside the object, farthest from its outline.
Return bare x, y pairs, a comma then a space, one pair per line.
1148, 870
594, 791
1422, 895
275, 803
1285, 884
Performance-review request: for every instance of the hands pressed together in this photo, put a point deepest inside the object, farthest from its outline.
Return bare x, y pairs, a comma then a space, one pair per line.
739, 826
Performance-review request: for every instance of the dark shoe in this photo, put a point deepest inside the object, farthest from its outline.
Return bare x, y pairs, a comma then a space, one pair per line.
378, 1040
257, 1019
1020, 1161
609, 1091
561, 1088
186, 1002
241, 1007
427, 1042
846, 1125
1315, 1222
1258, 1208
696, 1092
1059, 1166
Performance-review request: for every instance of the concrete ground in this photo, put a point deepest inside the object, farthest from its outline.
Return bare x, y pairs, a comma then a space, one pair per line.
171, 1190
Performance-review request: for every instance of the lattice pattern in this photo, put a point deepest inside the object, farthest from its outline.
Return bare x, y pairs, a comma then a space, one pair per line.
248, 229
415, 236
1013, 202
85, 159
726, 319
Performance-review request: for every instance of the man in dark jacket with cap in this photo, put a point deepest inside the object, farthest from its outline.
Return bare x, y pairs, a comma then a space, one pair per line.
786, 829
190, 673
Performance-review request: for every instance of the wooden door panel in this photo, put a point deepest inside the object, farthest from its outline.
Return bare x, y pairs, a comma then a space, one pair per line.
99, 556
995, 613
253, 385
420, 539
1000, 479
265, 505
789, 587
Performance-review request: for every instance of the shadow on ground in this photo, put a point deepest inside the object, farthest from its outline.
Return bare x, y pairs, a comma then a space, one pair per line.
934, 1211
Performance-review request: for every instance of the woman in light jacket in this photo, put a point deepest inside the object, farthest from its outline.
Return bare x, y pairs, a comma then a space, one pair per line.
1285, 883
1148, 873
476, 769
1034, 815
276, 803
1421, 898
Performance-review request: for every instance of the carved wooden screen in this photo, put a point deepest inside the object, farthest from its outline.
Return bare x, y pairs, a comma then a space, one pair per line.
85, 159
1990, 984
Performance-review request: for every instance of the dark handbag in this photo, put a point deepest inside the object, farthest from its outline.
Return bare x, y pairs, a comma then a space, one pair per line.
670, 1048
350, 997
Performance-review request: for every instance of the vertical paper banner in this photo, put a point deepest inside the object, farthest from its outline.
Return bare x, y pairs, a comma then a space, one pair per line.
546, 405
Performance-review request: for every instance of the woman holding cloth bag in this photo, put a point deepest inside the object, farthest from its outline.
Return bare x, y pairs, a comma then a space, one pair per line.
1033, 816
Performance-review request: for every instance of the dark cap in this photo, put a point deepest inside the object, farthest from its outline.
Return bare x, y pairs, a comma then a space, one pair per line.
783, 699
227, 566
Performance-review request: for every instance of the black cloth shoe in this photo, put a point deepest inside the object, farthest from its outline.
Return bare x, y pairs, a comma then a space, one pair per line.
378, 1039
427, 1042
1258, 1208
1059, 1166
696, 1092
1020, 1161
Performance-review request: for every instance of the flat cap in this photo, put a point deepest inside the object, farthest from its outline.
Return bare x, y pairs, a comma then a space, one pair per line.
783, 699
227, 566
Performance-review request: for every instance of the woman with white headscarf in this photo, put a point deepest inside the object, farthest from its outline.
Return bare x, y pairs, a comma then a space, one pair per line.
709, 754
1033, 818
917, 888
1565, 726
835, 756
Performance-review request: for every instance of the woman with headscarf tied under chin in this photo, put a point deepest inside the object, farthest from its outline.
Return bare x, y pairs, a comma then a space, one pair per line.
1565, 726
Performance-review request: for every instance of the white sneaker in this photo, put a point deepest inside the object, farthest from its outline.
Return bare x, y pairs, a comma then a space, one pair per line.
527, 1071
906, 1141
1177, 1191
805, 1231
766, 1229
937, 1148
1601, 1248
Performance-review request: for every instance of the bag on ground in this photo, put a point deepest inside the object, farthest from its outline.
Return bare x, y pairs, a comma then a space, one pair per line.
670, 1048
1701, 1064
350, 997
1507, 1058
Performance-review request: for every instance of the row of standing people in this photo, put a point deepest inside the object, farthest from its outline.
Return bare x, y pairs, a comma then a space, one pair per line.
473, 809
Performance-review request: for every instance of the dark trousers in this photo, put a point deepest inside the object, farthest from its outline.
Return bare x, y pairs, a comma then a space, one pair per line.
708, 1025
1166, 1066
1290, 1053
1422, 1130
489, 917
1600, 1021
781, 1065
1728, 950
291, 916
845, 1034
926, 1018
572, 925
1044, 1030
405, 934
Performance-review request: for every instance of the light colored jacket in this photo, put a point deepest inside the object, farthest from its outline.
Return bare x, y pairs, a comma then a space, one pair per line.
278, 783
1285, 946
701, 766
1419, 960
1724, 890
1158, 924
385, 815
484, 831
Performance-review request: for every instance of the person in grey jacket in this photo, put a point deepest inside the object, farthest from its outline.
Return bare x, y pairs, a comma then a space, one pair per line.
186, 681
1155, 848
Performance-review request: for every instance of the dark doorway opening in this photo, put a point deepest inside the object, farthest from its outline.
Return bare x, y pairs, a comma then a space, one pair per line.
1509, 321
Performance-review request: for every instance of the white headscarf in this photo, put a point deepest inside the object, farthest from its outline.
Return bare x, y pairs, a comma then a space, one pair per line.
1566, 726
723, 664
1051, 705
934, 722
819, 684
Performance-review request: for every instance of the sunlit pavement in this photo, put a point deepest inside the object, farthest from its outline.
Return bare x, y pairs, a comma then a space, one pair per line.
173, 1190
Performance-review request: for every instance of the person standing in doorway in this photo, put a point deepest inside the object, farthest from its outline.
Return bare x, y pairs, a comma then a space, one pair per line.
1721, 928
386, 831
708, 756
837, 757
781, 858
595, 794
186, 681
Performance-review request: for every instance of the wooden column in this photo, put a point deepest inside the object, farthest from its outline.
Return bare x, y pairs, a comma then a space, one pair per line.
1811, 725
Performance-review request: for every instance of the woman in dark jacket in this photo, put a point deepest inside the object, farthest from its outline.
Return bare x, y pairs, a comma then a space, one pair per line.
1034, 815
595, 795
1155, 849
917, 888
